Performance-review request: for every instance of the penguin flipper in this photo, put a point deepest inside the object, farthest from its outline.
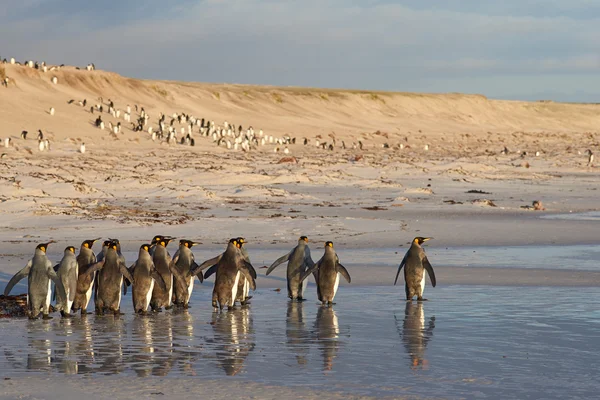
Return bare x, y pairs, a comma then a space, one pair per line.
278, 262
57, 282
17, 277
158, 279
127, 283
309, 271
209, 271
125, 272
177, 275
244, 270
56, 267
343, 271
93, 268
200, 276
250, 269
429, 268
400, 267
206, 264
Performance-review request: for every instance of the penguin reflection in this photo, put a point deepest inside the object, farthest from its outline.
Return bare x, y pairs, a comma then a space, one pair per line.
108, 343
66, 352
153, 343
84, 346
233, 334
296, 331
327, 330
39, 355
185, 349
415, 334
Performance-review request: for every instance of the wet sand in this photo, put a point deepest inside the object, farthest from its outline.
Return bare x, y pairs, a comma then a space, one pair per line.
489, 342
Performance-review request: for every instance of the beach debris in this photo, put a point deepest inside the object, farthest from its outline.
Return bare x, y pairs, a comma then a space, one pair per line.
477, 191
484, 202
288, 160
13, 306
536, 205
375, 208
452, 202
277, 290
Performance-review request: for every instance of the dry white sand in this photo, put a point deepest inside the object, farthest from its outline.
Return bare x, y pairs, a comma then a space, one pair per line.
130, 187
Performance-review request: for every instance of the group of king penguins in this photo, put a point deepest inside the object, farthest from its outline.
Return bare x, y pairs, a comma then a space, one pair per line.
160, 281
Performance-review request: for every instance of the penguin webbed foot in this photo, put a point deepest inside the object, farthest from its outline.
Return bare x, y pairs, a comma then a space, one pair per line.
46, 317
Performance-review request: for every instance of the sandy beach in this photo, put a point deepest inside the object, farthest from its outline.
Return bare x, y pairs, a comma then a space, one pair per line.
462, 169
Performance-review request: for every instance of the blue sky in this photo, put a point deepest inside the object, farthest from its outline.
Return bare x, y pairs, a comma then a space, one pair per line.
515, 49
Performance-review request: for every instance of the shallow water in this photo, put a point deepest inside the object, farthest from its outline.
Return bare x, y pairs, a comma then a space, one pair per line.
584, 216
474, 342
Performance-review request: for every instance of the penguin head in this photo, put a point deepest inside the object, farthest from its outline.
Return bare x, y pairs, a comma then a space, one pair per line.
70, 248
241, 241
145, 247
89, 243
188, 243
303, 238
114, 245
234, 242
164, 242
420, 240
328, 244
43, 246
157, 239
106, 243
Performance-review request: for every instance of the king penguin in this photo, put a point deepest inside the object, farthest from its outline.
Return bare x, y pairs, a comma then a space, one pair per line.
328, 270
415, 263
110, 279
162, 261
85, 283
229, 268
184, 262
146, 277
243, 294
67, 273
41, 275
299, 260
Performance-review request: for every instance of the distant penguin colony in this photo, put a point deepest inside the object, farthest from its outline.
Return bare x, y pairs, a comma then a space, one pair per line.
160, 281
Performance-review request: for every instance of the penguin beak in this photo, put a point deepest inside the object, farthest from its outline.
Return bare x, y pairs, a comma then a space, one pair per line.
426, 239
194, 243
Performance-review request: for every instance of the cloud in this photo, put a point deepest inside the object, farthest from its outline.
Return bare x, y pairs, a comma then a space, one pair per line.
334, 43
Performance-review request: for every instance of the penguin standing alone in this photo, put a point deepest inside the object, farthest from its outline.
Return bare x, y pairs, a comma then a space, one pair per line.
415, 263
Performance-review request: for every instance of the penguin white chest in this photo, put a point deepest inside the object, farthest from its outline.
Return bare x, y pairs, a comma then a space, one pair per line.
234, 289
149, 295
190, 288
336, 285
48, 295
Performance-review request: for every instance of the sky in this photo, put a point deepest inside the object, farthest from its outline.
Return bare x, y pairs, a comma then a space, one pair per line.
510, 49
